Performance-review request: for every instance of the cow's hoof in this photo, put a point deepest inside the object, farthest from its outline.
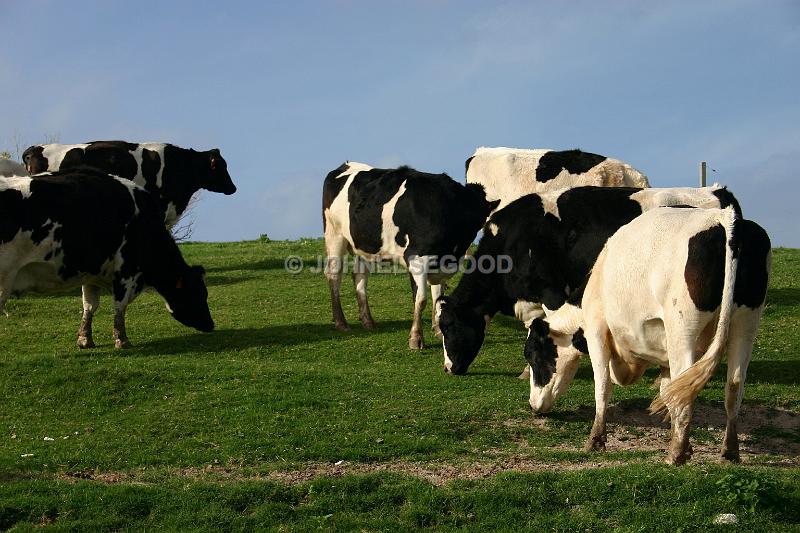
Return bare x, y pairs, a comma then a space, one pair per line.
369, 324
342, 326
678, 459
122, 344
731, 457
416, 343
595, 444
436, 331
526, 374
85, 342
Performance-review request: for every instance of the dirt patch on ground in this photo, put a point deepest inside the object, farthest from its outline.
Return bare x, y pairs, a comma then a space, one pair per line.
763, 431
767, 437
437, 473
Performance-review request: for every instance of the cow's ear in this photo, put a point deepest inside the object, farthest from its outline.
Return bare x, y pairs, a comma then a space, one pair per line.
179, 283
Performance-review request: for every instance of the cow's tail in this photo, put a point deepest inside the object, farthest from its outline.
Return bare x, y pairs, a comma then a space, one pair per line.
684, 389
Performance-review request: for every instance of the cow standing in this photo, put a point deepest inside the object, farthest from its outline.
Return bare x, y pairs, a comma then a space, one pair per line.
83, 227
171, 173
675, 288
400, 214
553, 240
509, 173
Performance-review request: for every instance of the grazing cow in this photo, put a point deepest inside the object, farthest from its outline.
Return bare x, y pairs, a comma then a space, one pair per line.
10, 168
400, 214
508, 173
553, 240
173, 174
675, 288
81, 226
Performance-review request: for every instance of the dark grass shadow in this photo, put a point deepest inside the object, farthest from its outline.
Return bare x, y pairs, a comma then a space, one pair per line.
221, 281
771, 372
785, 296
478, 373
222, 340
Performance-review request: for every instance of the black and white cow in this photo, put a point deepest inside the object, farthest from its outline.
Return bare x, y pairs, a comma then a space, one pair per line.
83, 227
10, 168
674, 288
508, 173
171, 173
552, 240
399, 214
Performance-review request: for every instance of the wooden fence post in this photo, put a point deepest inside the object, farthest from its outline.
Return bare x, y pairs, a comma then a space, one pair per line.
702, 173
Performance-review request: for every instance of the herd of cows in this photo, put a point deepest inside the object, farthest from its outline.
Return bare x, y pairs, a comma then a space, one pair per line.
601, 264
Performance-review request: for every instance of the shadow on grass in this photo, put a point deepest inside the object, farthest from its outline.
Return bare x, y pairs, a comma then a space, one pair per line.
775, 372
223, 340
786, 296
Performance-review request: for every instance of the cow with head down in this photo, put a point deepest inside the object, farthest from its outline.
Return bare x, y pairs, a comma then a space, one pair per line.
84, 227
552, 240
676, 288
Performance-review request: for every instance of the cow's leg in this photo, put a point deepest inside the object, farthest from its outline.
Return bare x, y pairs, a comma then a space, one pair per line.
744, 326
335, 247
663, 381
436, 291
600, 354
91, 302
679, 449
360, 274
125, 291
680, 351
418, 271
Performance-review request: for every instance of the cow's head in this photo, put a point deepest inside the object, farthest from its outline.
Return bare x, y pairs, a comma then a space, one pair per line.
553, 358
463, 331
215, 173
187, 299
34, 160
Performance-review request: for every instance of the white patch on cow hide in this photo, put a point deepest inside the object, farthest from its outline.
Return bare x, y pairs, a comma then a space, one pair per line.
527, 311
389, 229
550, 203
20, 183
695, 196
138, 156
494, 229
55, 153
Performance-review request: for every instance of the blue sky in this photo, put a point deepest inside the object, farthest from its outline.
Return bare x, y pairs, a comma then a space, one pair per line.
289, 90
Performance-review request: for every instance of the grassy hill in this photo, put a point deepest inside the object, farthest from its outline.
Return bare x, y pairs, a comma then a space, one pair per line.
276, 420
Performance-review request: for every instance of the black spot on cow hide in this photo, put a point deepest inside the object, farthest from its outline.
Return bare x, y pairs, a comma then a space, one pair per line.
752, 275
705, 268
574, 161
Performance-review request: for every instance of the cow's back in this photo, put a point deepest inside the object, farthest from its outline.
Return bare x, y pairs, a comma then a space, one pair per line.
509, 173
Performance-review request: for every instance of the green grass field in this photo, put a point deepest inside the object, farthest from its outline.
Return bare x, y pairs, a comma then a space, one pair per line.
277, 421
